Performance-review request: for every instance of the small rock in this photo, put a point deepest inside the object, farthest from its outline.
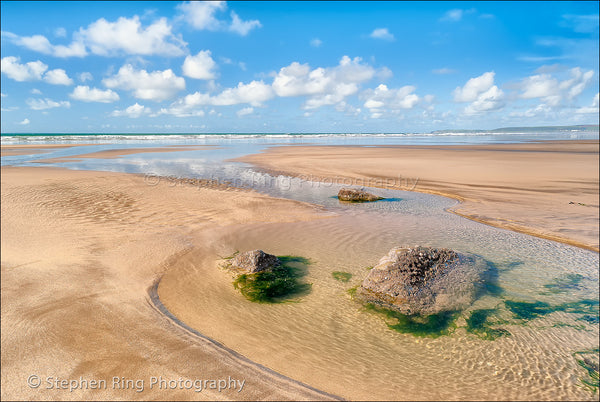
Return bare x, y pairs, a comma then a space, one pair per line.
255, 261
352, 195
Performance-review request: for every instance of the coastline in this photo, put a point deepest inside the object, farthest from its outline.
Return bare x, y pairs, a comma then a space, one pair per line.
547, 189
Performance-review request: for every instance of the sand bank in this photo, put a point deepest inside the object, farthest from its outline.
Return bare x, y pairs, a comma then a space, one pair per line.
118, 152
546, 189
80, 251
27, 149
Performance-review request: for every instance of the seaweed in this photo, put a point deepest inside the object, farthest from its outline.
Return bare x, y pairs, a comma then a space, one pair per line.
276, 285
528, 310
341, 276
430, 326
592, 379
478, 324
352, 291
564, 284
369, 267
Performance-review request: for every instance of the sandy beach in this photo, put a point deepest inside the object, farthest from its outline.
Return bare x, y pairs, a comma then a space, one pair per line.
80, 251
546, 189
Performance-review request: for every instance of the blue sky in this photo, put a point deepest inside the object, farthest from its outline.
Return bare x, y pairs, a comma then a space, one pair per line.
129, 67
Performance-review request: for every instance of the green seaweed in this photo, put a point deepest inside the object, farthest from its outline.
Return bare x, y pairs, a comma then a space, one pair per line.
231, 256
352, 291
430, 326
478, 324
592, 379
276, 285
341, 276
369, 267
528, 310
564, 284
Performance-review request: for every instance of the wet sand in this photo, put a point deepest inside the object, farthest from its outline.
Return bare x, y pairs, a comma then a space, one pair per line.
546, 189
80, 252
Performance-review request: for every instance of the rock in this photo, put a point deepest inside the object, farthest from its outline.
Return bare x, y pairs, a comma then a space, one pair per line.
352, 195
255, 261
423, 280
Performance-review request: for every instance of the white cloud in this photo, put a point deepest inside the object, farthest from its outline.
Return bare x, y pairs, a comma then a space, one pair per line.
40, 43
200, 66
245, 111
443, 71
127, 36
383, 99
457, 14
30, 71
492, 99
481, 91
593, 108
85, 76
382, 33
316, 42
474, 87
326, 86
552, 91
24, 122
43, 104
33, 71
253, 93
242, 27
134, 111
453, 15
60, 32
36, 91
58, 77
2, 95
85, 94
201, 16
156, 86
581, 23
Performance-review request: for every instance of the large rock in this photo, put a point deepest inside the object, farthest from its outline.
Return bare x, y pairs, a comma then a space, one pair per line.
423, 280
255, 261
352, 195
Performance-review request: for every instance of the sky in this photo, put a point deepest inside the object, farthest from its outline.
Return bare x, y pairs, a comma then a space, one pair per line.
292, 67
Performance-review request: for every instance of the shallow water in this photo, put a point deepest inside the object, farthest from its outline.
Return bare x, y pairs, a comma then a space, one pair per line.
330, 341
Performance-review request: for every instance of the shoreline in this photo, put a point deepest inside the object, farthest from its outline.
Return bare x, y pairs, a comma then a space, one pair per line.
325, 163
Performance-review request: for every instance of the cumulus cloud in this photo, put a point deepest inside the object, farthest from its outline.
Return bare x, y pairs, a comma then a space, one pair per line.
43, 104
33, 71
242, 27
134, 111
85, 94
552, 91
58, 77
245, 111
481, 91
156, 86
383, 99
24, 122
202, 16
127, 36
326, 86
382, 33
200, 66
253, 93
30, 71
41, 44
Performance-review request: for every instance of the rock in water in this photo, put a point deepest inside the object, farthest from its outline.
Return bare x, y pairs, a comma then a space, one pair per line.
423, 280
349, 194
255, 261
